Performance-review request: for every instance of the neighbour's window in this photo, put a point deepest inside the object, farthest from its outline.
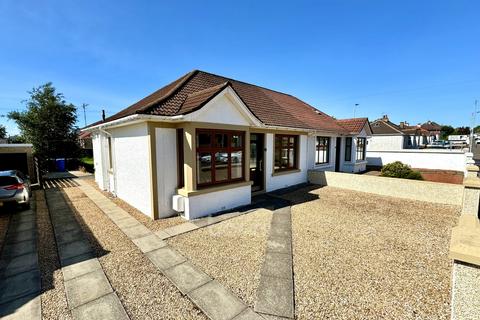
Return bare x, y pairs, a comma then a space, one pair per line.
220, 156
285, 152
322, 150
348, 149
110, 153
361, 148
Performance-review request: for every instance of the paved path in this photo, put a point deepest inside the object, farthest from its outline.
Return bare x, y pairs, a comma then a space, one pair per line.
20, 285
275, 291
209, 295
89, 293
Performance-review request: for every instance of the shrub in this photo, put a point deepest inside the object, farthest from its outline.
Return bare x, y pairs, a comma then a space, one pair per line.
398, 169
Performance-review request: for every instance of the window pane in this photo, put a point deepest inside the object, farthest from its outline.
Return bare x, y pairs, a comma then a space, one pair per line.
204, 168
221, 166
291, 158
237, 141
323, 150
237, 164
204, 140
221, 140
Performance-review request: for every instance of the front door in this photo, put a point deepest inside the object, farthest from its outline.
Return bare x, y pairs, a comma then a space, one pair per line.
338, 148
256, 160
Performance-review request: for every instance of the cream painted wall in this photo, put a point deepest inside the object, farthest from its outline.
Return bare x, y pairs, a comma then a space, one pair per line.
286, 179
378, 142
166, 153
311, 153
205, 204
97, 160
131, 166
221, 110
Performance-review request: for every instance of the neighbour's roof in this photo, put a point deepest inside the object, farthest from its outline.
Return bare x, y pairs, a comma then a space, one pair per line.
431, 126
385, 126
414, 130
84, 135
354, 125
193, 90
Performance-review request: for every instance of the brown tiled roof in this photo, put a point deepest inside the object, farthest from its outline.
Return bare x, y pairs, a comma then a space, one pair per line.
431, 126
194, 89
382, 126
414, 130
353, 125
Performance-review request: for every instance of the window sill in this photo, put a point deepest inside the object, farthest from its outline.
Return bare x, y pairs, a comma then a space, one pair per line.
323, 165
281, 173
217, 188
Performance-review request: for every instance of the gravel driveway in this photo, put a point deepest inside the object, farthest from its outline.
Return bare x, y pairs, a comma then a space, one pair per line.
358, 255
231, 251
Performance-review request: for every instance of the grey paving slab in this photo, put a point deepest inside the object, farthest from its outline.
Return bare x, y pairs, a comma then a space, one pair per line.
248, 314
149, 243
70, 236
186, 277
279, 244
137, 231
107, 307
217, 302
117, 214
277, 265
29, 307
283, 220
19, 285
181, 228
77, 259
72, 249
126, 222
80, 268
280, 231
86, 288
165, 258
162, 234
23, 226
21, 236
19, 264
66, 226
23, 217
19, 248
275, 297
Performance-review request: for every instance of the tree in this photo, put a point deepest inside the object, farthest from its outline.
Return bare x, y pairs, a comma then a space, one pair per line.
462, 130
446, 131
3, 132
48, 124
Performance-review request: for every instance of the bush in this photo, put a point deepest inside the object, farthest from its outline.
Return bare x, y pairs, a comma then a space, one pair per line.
398, 169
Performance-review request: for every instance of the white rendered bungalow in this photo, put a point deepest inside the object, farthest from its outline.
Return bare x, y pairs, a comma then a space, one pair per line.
204, 143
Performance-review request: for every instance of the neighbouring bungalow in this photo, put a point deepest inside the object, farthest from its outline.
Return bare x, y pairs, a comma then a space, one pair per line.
204, 143
387, 135
434, 130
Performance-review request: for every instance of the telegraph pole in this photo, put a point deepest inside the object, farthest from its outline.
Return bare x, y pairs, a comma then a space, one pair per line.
84, 105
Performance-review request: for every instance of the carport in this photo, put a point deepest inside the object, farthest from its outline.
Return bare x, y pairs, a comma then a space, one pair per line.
18, 157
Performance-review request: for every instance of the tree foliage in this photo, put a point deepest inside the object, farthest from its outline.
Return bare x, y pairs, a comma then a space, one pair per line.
3, 132
446, 131
462, 130
48, 123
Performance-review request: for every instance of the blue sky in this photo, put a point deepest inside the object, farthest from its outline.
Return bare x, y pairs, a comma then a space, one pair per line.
413, 60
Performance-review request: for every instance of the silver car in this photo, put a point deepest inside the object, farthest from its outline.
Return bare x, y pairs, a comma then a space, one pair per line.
14, 188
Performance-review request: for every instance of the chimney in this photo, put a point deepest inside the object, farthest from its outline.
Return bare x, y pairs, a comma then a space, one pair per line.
385, 117
103, 115
402, 124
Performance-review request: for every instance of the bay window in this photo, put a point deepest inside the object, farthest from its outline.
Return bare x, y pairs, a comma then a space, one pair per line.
322, 150
220, 156
361, 148
286, 149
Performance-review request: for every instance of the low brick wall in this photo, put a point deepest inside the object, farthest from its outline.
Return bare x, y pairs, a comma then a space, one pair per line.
401, 188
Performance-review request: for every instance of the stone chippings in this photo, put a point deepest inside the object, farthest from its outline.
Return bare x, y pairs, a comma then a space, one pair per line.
142, 289
466, 291
154, 225
231, 251
361, 254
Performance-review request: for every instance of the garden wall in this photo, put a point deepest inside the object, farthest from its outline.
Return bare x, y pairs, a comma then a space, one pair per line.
421, 159
401, 188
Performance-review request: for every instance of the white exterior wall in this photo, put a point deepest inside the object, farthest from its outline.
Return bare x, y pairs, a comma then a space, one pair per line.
204, 204
421, 159
166, 153
131, 166
390, 142
311, 153
287, 179
98, 160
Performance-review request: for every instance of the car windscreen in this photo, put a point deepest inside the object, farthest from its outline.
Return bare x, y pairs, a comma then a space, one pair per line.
7, 181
